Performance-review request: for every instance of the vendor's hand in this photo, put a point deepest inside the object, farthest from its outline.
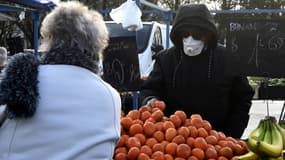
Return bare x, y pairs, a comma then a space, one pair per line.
151, 102
156, 103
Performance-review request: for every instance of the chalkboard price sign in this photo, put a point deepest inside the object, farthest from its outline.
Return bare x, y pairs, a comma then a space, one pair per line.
120, 64
258, 45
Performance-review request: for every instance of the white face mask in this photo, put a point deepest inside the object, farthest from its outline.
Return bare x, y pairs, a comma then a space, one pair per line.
192, 47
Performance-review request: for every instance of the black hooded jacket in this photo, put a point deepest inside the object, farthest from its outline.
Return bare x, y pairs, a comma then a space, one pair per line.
203, 84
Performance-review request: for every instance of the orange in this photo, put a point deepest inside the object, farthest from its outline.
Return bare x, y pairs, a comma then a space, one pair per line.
141, 137
157, 147
158, 155
184, 131
193, 131
134, 114
181, 114
157, 115
150, 119
158, 135
168, 157
196, 116
159, 126
223, 143
170, 134
214, 133
154, 109
133, 153
123, 140
207, 125
211, 140
222, 158
192, 158
178, 139
160, 105
201, 143
171, 148
164, 143
144, 108
135, 128
187, 123
151, 142
175, 120
199, 153
126, 122
217, 147
121, 156
133, 142
234, 158
168, 124
238, 150
202, 132
243, 144
198, 123
232, 139
183, 151
145, 115
211, 153
146, 149
226, 152
137, 121
143, 156
222, 136
121, 150
190, 141
148, 128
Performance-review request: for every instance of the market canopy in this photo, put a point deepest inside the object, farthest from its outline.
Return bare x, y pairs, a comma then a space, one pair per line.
34, 6
37, 4
5, 17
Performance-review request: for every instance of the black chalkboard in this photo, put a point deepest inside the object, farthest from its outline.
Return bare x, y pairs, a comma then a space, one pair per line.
258, 45
120, 64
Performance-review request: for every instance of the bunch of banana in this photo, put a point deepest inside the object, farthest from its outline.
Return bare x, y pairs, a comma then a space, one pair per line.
267, 141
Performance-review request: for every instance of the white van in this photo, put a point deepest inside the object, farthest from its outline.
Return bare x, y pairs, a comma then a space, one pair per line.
150, 40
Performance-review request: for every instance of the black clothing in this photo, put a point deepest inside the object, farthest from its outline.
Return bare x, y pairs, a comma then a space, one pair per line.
203, 84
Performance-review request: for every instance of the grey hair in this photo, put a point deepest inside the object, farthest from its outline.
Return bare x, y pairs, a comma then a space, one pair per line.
3, 56
72, 25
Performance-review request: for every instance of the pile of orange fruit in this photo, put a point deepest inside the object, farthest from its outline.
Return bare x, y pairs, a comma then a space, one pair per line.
148, 134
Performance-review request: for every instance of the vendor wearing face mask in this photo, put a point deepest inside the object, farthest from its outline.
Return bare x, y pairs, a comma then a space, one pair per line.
196, 75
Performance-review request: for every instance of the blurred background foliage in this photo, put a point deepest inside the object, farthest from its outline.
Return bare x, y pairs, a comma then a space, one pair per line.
26, 25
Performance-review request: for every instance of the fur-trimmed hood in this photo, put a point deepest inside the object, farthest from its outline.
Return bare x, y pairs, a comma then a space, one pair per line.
18, 88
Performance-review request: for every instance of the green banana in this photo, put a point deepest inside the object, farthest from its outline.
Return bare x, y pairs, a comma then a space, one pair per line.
282, 131
282, 123
248, 156
275, 148
268, 132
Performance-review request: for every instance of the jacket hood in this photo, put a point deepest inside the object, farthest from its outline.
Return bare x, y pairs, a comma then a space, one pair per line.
193, 17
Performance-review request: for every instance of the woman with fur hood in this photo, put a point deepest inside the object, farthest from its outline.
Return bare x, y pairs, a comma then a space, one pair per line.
59, 108
194, 76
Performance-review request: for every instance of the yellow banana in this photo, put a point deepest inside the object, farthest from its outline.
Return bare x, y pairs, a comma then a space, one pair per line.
275, 148
275, 158
254, 135
248, 156
257, 131
282, 131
